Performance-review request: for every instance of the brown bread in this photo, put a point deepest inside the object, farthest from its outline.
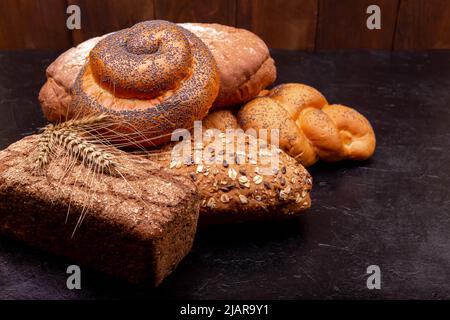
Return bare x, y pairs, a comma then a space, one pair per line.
138, 229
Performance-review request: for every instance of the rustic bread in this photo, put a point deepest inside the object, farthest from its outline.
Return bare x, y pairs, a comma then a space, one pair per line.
137, 238
240, 185
243, 61
310, 128
55, 96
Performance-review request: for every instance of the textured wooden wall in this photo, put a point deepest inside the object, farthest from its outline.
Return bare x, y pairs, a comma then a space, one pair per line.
291, 24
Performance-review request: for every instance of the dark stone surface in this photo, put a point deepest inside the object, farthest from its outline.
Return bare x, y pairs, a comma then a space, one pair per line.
391, 211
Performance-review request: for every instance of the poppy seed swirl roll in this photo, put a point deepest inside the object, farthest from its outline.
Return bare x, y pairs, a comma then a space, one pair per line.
152, 78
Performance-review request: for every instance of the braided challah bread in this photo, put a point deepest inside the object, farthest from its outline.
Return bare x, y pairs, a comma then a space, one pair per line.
309, 128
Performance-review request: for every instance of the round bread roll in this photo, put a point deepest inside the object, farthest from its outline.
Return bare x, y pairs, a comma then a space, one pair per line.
310, 128
242, 58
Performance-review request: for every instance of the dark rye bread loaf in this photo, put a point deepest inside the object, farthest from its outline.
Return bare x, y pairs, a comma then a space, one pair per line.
140, 239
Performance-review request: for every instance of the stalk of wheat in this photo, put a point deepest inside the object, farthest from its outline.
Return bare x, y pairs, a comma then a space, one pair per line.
81, 149
86, 121
71, 136
93, 141
45, 148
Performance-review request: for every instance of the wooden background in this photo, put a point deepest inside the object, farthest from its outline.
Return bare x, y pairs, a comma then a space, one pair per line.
290, 24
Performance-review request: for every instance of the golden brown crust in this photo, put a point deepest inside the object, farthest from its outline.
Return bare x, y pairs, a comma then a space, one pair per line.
294, 97
239, 186
130, 77
355, 131
221, 119
266, 113
244, 65
309, 127
144, 61
55, 96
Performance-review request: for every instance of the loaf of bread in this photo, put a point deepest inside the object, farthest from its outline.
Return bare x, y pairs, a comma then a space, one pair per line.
239, 179
137, 224
310, 128
243, 59
243, 62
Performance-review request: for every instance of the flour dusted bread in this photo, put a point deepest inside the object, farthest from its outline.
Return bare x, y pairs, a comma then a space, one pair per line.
137, 230
55, 95
243, 61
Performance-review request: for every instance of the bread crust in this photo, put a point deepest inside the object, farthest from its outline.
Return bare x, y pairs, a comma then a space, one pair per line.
243, 62
152, 78
243, 59
310, 128
56, 96
236, 186
120, 236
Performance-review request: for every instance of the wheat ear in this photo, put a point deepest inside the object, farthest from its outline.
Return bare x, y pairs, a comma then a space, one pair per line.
69, 134
87, 152
45, 147
86, 121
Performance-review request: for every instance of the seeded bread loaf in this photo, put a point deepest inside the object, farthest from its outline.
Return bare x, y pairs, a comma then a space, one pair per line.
138, 224
240, 185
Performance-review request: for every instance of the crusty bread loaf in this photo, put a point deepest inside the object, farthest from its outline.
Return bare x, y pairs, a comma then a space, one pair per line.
56, 96
243, 61
239, 185
138, 229
310, 128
